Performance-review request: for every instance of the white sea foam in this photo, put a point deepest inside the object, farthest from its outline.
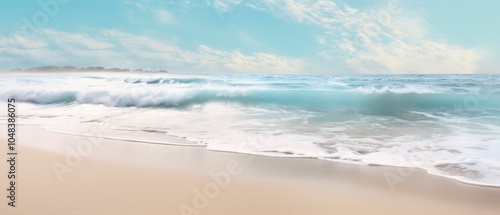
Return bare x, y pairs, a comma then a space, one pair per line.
254, 116
409, 89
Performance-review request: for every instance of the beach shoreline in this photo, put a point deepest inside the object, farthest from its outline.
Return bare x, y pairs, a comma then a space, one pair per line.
121, 177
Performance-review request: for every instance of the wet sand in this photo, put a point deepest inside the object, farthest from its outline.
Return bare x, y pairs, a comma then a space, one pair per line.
75, 175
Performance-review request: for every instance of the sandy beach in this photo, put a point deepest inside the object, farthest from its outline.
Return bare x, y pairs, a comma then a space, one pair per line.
266, 107
123, 177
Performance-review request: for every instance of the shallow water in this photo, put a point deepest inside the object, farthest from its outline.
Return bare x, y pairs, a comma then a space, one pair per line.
448, 125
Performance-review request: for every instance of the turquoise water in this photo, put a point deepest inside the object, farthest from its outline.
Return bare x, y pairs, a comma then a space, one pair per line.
448, 125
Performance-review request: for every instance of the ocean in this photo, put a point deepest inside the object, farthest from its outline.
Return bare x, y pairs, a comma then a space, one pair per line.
448, 125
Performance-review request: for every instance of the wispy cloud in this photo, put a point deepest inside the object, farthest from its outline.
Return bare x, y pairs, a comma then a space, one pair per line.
138, 4
112, 48
223, 6
381, 39
164, 16
158, 9
386, 38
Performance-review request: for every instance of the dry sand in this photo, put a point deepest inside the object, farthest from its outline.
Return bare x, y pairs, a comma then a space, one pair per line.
122, 177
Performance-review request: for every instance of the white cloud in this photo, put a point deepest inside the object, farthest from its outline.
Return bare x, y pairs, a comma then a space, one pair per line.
423, 57
255, 7
112, 48
224, 5
385, 39
163, 16
158, 9
238, 62
137, 4
74, 40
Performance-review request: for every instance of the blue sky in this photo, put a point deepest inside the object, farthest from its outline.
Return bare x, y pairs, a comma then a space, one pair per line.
260, 36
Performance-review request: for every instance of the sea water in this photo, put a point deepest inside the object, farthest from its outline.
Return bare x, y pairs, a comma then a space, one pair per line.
448, 125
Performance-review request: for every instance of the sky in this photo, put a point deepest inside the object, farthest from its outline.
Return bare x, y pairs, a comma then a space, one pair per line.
259, 36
